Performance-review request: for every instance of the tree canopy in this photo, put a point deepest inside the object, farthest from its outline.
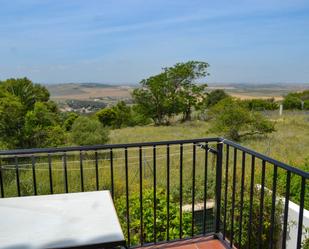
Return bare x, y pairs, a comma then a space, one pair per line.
27, 116
171, 92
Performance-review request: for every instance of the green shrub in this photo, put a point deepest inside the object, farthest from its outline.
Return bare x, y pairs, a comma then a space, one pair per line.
86, 131
148, 217
68, 122
215, 96
106, 116
291, 102
306, 104
260, 104
235, 121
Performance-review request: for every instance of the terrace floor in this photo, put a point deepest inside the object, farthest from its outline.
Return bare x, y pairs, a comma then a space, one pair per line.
200, 243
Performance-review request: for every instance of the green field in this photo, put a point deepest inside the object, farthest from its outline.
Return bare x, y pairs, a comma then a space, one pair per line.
289, 144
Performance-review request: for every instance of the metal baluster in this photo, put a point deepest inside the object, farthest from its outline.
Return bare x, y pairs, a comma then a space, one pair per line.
233, 197
50, 175
127, 194
33, 175
17, 176
226, 189
205, 188
112, 171
260, 229
242, 195
251, 200
193, 188
286, 209
1, 181
154, 194
218, 185
273, 207
141, 195
96, 170
180, 189
81, 168
66, 189
301, 212
168, 191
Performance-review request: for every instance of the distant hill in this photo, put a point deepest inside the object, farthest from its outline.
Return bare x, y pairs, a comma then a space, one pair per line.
85, 91
109, 92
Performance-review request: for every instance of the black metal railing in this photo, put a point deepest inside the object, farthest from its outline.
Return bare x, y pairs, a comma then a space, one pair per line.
199, 187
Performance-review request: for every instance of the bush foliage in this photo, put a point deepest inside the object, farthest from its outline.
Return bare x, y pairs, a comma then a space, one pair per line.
148, 220
235, 121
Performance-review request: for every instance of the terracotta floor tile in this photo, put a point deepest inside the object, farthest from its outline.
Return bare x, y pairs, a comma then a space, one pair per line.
191, 246
203, 243
213, 244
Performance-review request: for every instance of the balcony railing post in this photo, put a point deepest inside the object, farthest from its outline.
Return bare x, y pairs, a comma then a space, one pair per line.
218, 186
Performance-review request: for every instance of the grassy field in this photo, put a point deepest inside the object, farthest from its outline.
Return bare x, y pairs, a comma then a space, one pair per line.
289, 144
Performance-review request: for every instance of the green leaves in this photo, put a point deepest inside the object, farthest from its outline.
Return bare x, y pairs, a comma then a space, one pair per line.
148, 217
87, 131
171, 92
27, 117
235, 121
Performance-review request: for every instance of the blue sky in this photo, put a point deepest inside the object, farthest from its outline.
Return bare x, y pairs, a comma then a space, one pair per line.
124, 41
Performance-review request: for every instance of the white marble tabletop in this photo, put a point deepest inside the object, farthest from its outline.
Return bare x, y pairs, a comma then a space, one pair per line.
59, 221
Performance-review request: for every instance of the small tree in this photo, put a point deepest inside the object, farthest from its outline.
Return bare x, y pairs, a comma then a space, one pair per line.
292, 102
215, 96
106, 116
42, 127
235, 121
171, 92
68, 122
86, 131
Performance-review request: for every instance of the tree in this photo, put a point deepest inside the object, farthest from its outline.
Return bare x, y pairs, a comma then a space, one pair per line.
106, 116
86, 131
215, 96
27, 117
11, 120
68, 122
181, 80
292, 102
152, 98
42, 127
171, 92
235, 121
26, 91
117, 116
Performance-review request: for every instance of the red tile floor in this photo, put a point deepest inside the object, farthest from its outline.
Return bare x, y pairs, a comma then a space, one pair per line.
200, 243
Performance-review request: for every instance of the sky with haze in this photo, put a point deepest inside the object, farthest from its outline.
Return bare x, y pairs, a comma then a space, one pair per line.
124, 41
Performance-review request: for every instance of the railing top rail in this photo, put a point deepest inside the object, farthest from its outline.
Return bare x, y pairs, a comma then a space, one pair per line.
103, 147
267, 159
149, 144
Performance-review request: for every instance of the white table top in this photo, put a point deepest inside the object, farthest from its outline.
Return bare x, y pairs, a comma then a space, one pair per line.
58, 221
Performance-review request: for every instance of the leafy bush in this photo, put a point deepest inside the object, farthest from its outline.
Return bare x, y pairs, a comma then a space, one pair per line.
291, 102
261, 104
215, 97
148, 218
68, 122
106, 116
86, 131
306, 104
235, 121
